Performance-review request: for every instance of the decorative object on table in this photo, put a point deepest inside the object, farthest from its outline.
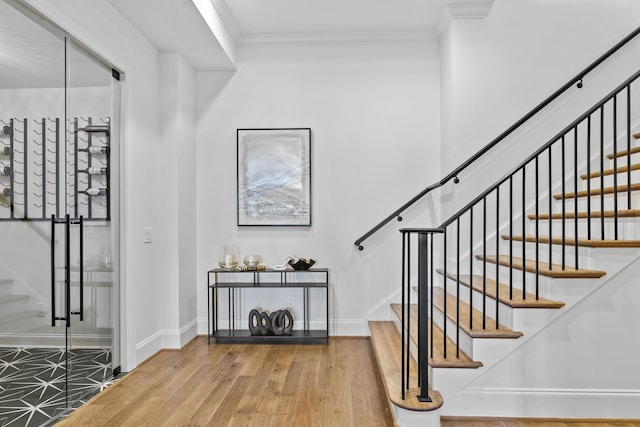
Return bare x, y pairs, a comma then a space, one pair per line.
274, 177
283, 266
252, 260
278, 323
301, 263
229, 255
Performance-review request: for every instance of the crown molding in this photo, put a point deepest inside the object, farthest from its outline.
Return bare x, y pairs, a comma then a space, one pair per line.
333, 39
227, 18
469, 9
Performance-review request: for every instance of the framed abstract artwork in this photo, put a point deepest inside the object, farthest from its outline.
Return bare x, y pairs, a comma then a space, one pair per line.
274, 177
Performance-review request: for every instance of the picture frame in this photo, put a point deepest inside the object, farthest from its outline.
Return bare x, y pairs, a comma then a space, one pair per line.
274, 177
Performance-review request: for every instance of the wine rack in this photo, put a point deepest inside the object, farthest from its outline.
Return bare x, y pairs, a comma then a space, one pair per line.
44, 174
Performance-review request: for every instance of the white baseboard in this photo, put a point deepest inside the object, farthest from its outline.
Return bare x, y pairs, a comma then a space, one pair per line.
545, 403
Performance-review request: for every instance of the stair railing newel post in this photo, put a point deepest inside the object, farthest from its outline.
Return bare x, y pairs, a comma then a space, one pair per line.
423, 333
457, 288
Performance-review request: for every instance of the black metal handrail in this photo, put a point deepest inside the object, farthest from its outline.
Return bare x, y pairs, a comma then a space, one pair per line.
453, 175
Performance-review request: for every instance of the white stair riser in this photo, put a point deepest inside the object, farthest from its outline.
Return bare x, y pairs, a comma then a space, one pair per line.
596, 203
488, 304
466, 342
608, 180
628, 228
605, 259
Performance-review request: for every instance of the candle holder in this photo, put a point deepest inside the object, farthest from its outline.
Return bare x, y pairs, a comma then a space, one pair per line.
229, 255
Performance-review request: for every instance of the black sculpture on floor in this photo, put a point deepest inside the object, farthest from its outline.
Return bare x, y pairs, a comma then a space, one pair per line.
279, 322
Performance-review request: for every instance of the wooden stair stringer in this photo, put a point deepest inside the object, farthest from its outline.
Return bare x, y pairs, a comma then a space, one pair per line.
473, 317
387, 347
516, 300
543, 268
437, 359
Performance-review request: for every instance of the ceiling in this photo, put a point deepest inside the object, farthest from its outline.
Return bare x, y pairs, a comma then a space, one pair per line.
176, 25
207, 32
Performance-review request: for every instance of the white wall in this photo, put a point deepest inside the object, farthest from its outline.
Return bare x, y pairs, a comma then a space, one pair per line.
497, 69
374, 117
100, 26
178, 181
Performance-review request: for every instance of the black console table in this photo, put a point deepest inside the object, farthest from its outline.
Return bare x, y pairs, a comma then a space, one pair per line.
234, 282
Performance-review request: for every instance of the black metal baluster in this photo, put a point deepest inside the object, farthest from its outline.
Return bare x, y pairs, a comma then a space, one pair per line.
497, 253
550, 209
524, 232
511, 237
615, 167
431, 295
405, 308
564, 205
25, 171
589, 177
629, 147
471, 267
457, 288
444, 323
575, 194
601, 172
484, 263
537, 192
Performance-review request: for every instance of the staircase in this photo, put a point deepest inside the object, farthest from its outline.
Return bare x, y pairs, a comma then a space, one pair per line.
513, 265
15, 315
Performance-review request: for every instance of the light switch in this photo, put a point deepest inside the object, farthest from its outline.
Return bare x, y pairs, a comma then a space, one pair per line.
147, 235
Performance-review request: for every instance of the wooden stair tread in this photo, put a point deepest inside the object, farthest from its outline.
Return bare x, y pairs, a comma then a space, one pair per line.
621, 169
437, 359
636, 135
555, 272
635, 186
387, 346
622, 213
516, 301
569, 241
490, 330
622, 153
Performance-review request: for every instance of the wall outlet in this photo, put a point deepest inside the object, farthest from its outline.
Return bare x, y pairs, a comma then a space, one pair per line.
41, 310
290, 301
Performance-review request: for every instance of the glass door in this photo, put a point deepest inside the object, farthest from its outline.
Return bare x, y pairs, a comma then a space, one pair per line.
91, 204
33, 355
59, 225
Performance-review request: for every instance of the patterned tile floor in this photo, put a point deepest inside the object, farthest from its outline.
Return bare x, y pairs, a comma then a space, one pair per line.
33, 387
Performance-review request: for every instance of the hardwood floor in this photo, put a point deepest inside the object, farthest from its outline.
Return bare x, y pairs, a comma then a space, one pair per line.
246, 385
265, 385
